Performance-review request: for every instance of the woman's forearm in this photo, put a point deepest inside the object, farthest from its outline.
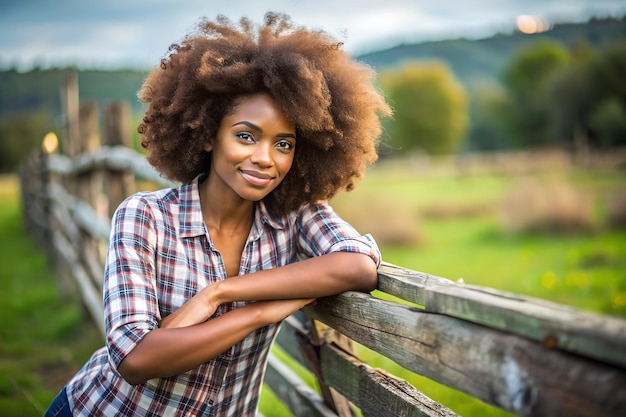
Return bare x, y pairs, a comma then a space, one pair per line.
312, 278
316, 277
170, 351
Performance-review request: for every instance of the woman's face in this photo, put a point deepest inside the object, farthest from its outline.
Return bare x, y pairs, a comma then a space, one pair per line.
254, 148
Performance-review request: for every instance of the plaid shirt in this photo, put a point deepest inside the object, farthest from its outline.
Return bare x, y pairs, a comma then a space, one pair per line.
160, 255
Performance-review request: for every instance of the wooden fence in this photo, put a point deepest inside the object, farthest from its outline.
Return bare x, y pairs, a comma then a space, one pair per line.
523, 355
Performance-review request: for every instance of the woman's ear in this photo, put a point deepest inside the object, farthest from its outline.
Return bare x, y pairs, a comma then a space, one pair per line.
209, 146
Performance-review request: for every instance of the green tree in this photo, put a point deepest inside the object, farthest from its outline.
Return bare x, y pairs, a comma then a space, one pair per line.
21, 135
605, 118
608, 122
430, 108
528, 79
489, 107
589, 99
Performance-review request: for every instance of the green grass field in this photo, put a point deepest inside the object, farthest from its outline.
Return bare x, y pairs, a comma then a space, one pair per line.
459, 235
43, 338
453, 232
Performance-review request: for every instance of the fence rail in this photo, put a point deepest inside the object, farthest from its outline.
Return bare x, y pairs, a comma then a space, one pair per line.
524, 355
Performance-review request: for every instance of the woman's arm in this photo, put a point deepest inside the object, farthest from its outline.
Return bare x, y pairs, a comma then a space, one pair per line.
320, 276
186, 339
312, 278
170, 351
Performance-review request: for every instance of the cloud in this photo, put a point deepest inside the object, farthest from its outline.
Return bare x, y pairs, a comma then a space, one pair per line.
116, 33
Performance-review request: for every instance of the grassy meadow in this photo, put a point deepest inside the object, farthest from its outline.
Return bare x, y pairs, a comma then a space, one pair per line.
43, 338
571, 250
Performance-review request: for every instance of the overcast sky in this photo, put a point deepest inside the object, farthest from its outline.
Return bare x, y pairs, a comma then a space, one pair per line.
118, 33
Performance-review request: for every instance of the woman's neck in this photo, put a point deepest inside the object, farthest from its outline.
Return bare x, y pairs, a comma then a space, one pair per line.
225, 211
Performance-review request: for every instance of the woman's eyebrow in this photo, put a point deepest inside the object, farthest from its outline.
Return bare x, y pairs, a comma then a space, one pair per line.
250, 125
286, 135
258, 129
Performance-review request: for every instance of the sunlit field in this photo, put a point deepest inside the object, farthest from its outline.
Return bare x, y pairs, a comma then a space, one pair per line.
43, 337
572, 250
460, 227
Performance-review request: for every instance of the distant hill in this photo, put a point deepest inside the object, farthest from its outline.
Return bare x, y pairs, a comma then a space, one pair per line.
469, 59
472, 60
40, 88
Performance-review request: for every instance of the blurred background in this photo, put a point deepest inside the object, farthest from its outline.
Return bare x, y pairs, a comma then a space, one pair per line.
504, 164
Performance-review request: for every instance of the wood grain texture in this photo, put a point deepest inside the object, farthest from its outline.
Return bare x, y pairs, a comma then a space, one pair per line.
293, 392
500, 368
374, 391
557, 326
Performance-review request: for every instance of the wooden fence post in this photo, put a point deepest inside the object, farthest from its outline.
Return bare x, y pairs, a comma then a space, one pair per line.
70, 148
320, 334
70, 106
45, 233
90, 184
117, 119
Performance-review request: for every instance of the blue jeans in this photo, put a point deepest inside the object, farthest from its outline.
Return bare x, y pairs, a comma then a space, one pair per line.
60, 407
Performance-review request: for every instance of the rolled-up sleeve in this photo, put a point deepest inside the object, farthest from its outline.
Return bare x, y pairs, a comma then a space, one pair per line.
130, 301
322, 231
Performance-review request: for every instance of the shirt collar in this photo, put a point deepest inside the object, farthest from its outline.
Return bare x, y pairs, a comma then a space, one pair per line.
190, 214
264, 216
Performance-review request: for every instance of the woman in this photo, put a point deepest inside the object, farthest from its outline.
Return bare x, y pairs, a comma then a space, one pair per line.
261, 125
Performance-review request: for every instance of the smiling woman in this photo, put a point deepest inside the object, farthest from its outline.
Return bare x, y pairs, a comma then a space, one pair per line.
329, 97
261, 125
255, 143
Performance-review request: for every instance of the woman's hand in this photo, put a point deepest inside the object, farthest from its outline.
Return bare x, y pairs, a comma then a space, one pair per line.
204, 304
197, 310
171, 351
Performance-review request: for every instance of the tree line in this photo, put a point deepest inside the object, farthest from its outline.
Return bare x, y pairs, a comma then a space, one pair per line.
549, 91
548, 95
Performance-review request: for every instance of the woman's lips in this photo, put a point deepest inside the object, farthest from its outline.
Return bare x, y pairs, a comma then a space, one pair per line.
256, 177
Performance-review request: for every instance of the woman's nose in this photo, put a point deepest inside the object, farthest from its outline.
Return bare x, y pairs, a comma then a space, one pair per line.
262, 154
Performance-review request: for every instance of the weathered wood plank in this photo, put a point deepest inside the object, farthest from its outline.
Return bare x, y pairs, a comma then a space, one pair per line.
114, 158
82, 213
37, 216
303, 345
376, 393
297, 395
320, 335
89, 185
557, 326
513, 373
292, 331
119, 184
91, 296
70, 104
92, 265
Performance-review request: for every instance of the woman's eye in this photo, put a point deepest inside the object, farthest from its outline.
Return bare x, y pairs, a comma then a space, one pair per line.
245, 136
284, 144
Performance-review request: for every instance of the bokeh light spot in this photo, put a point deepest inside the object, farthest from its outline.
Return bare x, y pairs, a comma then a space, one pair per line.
531, 24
